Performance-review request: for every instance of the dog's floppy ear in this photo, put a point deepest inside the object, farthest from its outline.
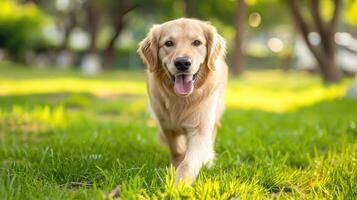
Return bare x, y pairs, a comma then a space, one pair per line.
216, 46
148, 49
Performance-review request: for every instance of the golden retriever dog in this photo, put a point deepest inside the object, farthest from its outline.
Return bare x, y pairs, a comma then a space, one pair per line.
187, 76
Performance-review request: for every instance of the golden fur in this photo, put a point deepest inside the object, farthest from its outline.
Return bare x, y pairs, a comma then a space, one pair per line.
187, 123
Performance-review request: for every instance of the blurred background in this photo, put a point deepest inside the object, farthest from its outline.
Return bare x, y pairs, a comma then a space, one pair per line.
74, 120
289, 46
316, 36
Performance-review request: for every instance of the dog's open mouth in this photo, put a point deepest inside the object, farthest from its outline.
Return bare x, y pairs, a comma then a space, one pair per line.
184, 83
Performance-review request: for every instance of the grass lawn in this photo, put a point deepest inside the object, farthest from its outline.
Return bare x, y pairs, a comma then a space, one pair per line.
67, 136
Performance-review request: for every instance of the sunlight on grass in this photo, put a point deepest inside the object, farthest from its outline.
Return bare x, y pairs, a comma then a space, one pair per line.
274, 91
99, 88
270, 91
34, 120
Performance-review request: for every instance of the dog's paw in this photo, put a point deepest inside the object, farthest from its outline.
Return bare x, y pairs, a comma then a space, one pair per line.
209, 163
184, 174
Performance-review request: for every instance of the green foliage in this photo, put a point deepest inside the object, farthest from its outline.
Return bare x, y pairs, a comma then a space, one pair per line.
82, 137
350, 12
20, 26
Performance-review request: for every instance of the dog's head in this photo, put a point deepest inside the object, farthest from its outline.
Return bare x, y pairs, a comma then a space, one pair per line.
182, 48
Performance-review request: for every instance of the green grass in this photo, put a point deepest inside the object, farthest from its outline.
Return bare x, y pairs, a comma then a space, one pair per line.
67, 136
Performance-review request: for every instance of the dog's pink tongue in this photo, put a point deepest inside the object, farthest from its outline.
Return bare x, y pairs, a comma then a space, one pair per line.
183, 84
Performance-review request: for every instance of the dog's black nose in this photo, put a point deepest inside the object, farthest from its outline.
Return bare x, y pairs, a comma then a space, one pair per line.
182, 63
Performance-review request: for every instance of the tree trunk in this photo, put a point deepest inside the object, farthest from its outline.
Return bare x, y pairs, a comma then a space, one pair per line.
93, 26
69, 26
238, 54
325, 52
90, 63
188, 8
330, 72
118, 24
109, 50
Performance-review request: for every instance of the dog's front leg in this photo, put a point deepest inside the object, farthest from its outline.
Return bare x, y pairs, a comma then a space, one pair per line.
199, 152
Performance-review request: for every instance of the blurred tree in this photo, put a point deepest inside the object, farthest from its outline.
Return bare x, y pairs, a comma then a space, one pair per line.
324, 52
91, 63
65, 16
118, 10
189, 10
20, 27
69, 21
93, 11
230, 16
239, 25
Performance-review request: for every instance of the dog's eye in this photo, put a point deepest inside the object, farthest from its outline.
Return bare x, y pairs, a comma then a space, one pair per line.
196, 43
169, 43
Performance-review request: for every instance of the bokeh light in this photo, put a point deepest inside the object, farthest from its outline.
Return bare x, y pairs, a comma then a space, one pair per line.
254, 19
275, 44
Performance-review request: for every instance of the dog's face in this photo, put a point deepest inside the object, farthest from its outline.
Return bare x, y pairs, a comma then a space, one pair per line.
182, 48
182, 51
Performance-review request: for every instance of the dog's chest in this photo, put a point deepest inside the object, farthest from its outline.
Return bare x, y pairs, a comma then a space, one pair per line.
178, 116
